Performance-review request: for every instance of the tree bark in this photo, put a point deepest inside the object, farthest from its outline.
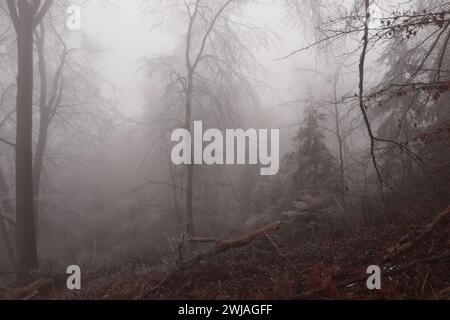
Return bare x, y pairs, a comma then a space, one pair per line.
190, 167
176, 210
44, 119
342, 186
25, 16
26, 233
362, 107
191, 66
47, 107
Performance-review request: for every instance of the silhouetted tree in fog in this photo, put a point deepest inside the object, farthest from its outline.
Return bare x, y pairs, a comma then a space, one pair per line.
25, 16
214, 62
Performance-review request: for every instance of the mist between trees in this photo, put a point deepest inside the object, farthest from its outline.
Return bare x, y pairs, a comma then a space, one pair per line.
358, 89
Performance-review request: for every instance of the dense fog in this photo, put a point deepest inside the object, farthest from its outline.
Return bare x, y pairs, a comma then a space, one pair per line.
90, 105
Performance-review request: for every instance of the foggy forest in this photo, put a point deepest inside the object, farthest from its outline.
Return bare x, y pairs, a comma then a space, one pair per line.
353, 97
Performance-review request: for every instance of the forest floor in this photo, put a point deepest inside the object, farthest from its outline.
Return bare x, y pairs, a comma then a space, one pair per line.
412, 248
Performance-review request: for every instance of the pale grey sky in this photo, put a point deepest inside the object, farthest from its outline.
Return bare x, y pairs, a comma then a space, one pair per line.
124, 32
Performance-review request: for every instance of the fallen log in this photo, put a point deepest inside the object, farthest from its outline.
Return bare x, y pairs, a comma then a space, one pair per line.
28, 291
220, 246
441, 219
202, 240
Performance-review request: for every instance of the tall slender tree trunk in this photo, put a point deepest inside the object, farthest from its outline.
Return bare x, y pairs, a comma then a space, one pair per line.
26, 233
362, 107
44, 122
176, 210
25, 16
49, 100
191, 66
190, 167
342, 186
38, 163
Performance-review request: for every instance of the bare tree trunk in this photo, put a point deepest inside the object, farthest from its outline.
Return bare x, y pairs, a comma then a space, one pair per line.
26, 233
342, 187
44, 120
191, 66
25, 16
190, 167
176, 210
46, 111
362, 106
38, 163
